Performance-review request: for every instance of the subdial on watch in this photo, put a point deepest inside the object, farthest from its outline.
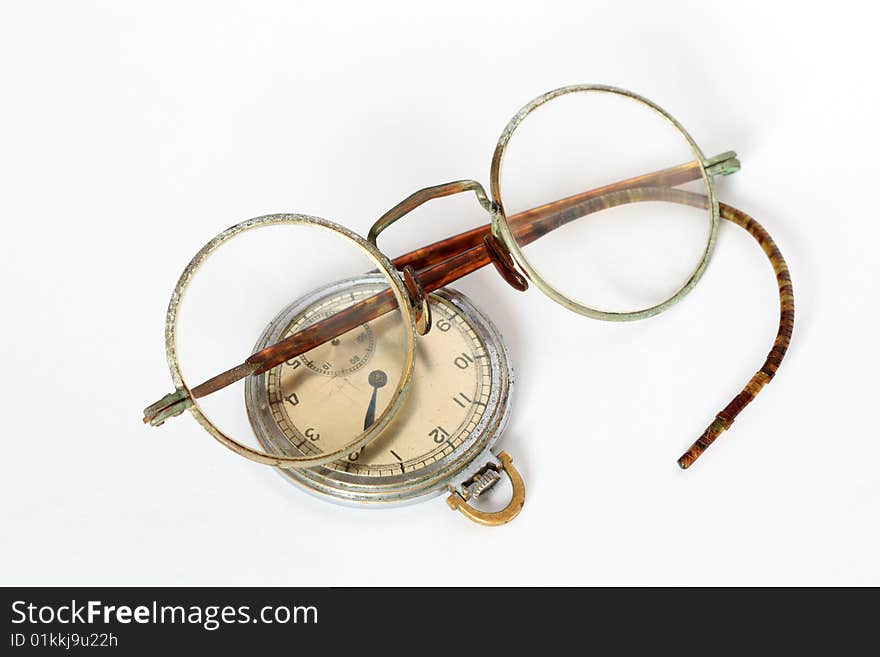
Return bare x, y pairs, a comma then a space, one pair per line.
342, 355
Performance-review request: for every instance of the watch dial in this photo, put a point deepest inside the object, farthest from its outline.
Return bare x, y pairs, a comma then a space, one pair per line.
323, 397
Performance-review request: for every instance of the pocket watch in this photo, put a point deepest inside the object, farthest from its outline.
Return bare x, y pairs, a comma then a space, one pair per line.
442, 440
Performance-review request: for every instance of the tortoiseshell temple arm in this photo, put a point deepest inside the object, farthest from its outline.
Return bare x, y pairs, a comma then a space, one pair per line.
764, 375
443, 262
541, 219
437, 264
553, 215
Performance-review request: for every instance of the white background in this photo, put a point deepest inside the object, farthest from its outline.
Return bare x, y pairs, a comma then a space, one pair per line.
132, 133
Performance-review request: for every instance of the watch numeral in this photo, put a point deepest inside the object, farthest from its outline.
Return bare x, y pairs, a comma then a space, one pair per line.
292, 399
463, 362
312, 435
462, 400
439, 434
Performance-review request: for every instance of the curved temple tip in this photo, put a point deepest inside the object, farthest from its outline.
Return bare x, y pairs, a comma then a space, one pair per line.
171, 405
702, 443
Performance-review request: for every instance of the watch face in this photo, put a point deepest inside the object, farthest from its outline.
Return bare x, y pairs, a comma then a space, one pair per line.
311, 404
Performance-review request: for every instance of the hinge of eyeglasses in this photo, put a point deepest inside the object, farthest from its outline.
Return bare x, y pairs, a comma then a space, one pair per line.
171, 405
722, 164
422, 196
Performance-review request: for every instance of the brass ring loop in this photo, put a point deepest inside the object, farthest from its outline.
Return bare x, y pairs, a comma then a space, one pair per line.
494, 518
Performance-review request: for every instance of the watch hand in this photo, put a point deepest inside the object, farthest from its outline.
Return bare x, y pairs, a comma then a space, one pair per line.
377, 379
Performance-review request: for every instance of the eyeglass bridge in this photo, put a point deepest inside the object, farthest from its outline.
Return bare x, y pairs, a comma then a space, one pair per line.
422, 196
496, 250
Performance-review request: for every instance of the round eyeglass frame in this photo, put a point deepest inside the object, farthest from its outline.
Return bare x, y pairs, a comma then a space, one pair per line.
501, 228
397, 287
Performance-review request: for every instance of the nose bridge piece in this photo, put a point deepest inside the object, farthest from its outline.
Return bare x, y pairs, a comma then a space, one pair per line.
418, 299
504, 264
422, 196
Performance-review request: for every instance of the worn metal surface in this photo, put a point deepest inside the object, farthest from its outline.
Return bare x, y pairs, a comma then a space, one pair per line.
503, 230
382, 265
457, 501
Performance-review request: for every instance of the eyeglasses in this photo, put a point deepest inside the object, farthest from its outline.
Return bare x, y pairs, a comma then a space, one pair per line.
636, 242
